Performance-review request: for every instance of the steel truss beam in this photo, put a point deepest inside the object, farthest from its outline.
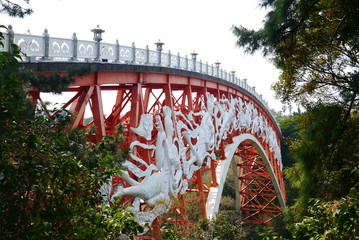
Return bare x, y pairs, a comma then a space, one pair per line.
143, 92
259, 203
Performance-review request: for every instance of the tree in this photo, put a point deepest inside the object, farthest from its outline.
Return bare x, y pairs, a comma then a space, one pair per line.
226, 225
316, 45
50, 181
330, 220
14, 9
335, 220
326, 153
50, 177
289, 127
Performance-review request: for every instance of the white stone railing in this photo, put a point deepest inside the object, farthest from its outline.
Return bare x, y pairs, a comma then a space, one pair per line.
46, 48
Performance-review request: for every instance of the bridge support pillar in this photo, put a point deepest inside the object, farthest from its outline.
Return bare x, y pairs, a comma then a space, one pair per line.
202, 201
97, 111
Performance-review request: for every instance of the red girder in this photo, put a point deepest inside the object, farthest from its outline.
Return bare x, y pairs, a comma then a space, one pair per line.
144, 92
259, 202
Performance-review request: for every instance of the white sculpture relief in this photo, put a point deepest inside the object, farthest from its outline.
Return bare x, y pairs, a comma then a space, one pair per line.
160, 182
105, 191
226, 110
200, 133
145, 128
203, 134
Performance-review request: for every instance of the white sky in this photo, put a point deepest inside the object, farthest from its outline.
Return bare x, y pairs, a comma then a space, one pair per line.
184, 26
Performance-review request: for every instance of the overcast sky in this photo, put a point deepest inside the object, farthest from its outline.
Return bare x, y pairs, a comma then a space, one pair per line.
184, 26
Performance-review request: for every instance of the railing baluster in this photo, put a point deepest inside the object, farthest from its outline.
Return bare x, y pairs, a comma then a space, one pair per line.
46, 37
11, 37
117, 49
147, 56
169, 58
133, 53
82, 50
74, 47
178, 61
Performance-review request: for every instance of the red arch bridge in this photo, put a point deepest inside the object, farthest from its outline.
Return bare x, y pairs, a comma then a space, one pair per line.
187, 123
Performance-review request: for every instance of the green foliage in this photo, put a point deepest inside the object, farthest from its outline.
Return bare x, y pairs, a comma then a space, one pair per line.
50, 180
334, 220
107, 222
315, 43
13, 96
229, 188
227, 203
56, 82
49, 175
325, 154
228, 199
226, 226
15, 82
265, 233
14, 9
290, 128
330, 220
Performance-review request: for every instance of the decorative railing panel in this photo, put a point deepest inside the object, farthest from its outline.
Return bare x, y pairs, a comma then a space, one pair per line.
175, 61
86, 49
60, 47
141, 56
198, 67
108, 51
183, 63
126, 54
31, 45
165, 59
38, 48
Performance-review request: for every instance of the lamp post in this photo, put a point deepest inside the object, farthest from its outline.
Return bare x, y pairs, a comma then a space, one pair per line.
159, 47
233, 76
217, 67
97, 36
194, 58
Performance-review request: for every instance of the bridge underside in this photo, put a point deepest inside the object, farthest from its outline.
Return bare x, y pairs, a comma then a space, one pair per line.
258, 198
234, 112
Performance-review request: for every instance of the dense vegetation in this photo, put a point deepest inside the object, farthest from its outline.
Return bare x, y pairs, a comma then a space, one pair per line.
50, 176
315, 44
15, 9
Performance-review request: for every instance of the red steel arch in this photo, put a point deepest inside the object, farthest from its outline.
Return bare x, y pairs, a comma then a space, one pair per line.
147, 90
